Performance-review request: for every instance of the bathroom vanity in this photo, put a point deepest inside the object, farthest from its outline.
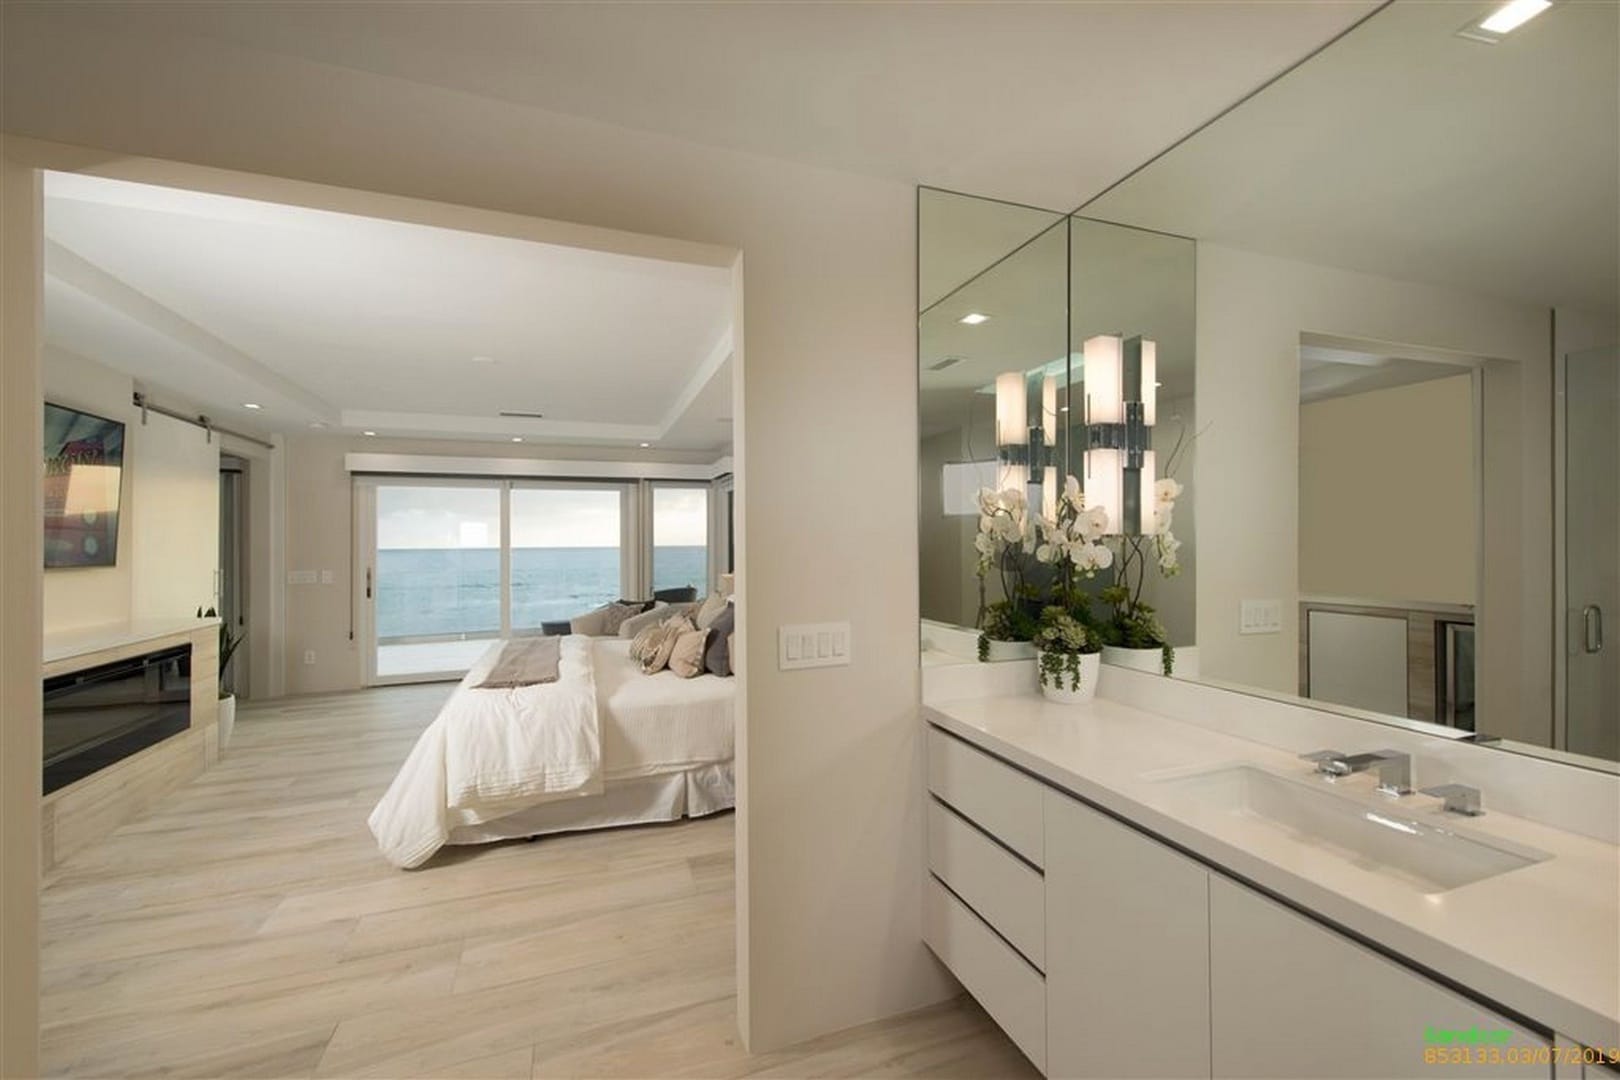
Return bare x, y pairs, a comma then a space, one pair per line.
1128, 894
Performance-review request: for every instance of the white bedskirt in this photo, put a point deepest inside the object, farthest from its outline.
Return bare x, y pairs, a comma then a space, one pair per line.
707, 789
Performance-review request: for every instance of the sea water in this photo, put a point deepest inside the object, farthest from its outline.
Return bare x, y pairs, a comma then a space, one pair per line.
429, 592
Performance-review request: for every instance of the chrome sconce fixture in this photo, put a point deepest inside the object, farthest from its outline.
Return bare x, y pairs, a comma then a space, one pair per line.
1121, 401
1027, 453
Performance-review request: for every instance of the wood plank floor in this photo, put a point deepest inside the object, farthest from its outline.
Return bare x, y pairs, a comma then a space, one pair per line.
248, 927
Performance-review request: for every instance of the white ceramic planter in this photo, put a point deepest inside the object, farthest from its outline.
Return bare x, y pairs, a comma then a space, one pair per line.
1150, 660
227, 720
1090, 669
1009, 650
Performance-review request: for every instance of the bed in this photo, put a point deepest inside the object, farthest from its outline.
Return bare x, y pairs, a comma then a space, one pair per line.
603, 745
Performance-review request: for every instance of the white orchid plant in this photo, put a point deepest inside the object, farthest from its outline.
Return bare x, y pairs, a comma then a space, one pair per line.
1134, 624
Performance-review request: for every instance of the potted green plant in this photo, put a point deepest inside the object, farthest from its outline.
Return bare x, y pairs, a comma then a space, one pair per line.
1005, 541
228, 644
1068, 656
1135, 638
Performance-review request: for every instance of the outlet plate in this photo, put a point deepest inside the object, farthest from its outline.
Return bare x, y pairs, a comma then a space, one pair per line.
808, 645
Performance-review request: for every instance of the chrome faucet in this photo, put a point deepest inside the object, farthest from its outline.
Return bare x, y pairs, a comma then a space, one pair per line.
1459, 798
1394, 768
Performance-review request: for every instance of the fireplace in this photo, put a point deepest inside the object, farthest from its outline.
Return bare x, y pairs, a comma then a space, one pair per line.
100, 715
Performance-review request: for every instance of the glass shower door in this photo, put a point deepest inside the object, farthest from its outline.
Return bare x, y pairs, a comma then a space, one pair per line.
1592, 551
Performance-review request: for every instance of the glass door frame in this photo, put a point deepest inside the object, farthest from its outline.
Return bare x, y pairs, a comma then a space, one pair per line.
365, 553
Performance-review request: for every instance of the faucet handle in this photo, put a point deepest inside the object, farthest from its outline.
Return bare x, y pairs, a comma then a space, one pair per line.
1321, 758
1459, 798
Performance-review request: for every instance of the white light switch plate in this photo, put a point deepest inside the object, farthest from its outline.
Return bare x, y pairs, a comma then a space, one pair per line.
301, 577
807, 645
1260, 617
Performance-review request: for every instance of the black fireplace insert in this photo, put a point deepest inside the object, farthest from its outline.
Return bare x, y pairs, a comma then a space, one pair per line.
104, 714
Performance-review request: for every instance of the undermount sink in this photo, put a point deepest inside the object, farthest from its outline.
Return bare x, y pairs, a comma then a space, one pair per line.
1385, 839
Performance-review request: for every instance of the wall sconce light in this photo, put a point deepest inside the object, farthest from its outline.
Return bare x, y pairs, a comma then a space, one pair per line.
1012, 431
1121, 395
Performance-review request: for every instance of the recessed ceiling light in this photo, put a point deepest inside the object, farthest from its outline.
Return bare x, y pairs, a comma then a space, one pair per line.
368, 433
317, 424
517, 438
483, 359
1512, 15
645, 445
973, 318
250, 405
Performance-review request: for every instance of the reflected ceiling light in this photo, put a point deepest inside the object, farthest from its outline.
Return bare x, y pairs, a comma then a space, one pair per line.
974, 318
483, 359
368, 433
317, 424
1513, 14
1504, 20
250, 405
645, 445
517, 438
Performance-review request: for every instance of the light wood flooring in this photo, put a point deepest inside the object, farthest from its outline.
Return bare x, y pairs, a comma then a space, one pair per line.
248, 927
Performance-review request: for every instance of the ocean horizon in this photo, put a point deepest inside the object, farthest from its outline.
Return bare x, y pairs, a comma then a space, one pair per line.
429, 592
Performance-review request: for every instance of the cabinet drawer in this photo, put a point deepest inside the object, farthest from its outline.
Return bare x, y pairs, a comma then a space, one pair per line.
1004, 890
990, 793
1012, 992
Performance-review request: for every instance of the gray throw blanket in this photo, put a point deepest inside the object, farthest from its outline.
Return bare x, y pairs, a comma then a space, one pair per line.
524, 662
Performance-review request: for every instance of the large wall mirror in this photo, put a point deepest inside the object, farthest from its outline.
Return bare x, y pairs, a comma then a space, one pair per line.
1388, 353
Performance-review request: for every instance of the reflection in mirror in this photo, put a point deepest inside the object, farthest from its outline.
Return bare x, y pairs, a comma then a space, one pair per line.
1407, 284
1051, 348
993, 373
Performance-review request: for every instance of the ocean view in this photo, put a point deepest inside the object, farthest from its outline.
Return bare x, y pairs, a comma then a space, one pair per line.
425, 592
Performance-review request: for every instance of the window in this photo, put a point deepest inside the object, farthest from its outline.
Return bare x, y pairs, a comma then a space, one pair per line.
680, 526
566, 545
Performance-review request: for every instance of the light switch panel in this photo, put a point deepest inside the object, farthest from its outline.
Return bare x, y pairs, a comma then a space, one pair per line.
1260, 617
807, 645
301, 577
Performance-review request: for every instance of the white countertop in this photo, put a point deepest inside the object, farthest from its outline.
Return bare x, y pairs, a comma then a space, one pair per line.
83, 640
1543, 940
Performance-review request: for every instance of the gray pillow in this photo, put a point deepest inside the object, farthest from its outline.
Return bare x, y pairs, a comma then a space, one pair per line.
717, 657
635, 624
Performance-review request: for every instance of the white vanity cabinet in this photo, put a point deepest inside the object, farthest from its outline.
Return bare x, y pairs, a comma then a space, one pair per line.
1104, 952
1127, 971
1292, 998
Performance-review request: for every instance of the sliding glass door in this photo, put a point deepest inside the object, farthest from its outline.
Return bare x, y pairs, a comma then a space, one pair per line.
450, 566
436, 578
567, 546
680, 537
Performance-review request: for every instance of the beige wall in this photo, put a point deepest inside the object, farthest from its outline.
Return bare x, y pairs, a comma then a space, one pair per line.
1387, 507
168, 527
830, 889
1251, 311
85, 596
21, 603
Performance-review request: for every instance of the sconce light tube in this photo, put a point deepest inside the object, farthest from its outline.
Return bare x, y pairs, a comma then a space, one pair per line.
1012, 410
1150, 383
1104, 380
1104, 485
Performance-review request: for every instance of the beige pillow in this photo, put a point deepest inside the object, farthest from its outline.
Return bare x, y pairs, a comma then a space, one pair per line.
686, 658
656, 657
643, 642
712, 606
635, 624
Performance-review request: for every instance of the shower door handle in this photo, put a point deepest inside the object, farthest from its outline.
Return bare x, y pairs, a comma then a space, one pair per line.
1592, 622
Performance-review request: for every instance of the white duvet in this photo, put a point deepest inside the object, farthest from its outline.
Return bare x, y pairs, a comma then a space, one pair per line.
492, 753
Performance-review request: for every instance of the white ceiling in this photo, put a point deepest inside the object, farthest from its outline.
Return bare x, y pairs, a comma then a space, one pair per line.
363, 323
1042, 103
1407, 151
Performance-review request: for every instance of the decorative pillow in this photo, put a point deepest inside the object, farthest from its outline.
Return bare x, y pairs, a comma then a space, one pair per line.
613, 615
709, 610
645, 641
717, 657
635, 624
686, 658
658, 651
